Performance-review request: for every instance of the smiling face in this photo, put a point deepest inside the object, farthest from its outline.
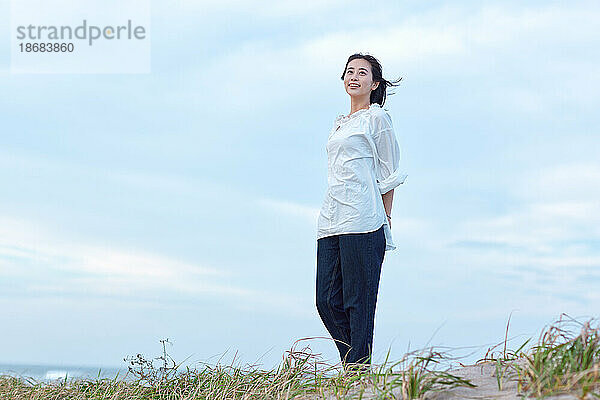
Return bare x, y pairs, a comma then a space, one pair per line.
358, 78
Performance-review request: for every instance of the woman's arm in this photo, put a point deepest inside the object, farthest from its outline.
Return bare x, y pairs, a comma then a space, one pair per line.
388, 199
387, 151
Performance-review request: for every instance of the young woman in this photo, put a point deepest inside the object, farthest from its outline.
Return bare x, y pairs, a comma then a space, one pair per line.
354, 225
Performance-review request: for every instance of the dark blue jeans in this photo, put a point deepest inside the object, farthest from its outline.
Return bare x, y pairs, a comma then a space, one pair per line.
348, 270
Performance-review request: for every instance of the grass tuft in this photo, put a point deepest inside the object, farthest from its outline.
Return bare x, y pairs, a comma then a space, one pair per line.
561, 362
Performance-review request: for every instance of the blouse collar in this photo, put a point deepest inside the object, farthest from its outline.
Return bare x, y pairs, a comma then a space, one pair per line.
343, 118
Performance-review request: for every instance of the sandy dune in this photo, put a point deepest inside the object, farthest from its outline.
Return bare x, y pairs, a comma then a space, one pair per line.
483, 375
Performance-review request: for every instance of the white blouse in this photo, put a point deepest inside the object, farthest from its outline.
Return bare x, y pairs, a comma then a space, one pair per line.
363, 159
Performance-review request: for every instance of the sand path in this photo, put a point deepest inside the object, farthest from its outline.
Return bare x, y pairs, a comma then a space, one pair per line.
483, 375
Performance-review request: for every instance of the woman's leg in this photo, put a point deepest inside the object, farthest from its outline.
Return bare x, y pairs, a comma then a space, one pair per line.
329, 296
361, 256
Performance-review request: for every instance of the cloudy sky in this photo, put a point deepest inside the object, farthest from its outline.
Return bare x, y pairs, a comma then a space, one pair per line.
182, 204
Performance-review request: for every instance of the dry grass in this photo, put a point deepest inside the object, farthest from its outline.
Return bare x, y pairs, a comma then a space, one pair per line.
565, 360
560, 362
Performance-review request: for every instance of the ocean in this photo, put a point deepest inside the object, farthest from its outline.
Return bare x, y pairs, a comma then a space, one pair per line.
48, 373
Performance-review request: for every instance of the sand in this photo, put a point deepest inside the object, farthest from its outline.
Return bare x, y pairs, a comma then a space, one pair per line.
483, 375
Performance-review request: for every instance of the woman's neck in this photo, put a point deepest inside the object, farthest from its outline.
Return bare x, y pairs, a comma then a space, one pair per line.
358, 104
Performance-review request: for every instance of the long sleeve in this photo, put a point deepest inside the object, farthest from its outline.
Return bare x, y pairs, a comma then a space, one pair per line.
388, 172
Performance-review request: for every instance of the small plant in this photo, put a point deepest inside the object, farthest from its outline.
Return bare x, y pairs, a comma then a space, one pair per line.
419, 378
145, 371
503, 360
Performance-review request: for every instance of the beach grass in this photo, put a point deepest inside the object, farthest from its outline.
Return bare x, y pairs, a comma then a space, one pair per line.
565, 360
562, 361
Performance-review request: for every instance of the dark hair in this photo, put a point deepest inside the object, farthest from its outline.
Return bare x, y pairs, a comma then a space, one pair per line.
378, 95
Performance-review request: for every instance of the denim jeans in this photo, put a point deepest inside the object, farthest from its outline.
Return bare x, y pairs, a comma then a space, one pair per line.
348, 270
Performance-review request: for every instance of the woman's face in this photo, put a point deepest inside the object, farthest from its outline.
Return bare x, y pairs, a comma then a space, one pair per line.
358, 78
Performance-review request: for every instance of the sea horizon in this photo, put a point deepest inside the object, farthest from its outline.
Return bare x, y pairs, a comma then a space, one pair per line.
50, 372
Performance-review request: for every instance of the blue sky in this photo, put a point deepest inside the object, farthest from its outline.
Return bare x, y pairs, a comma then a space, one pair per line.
183, 203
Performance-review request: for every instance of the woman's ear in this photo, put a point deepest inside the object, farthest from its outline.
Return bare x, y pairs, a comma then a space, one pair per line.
376, 85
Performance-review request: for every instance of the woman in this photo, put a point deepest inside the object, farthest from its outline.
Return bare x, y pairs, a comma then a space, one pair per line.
354, 225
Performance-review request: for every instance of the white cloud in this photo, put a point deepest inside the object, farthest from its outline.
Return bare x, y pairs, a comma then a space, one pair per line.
558, 204
449, 41
269, 9
537, 226
306, 213
550, 241
564, 182
83, 269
